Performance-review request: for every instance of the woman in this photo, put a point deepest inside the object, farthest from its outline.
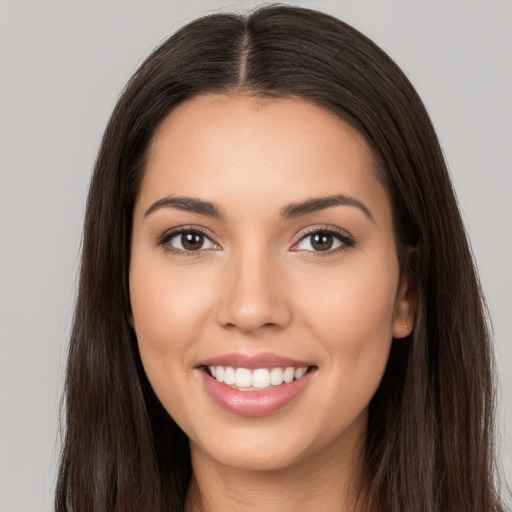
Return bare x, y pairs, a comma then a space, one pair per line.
278, 307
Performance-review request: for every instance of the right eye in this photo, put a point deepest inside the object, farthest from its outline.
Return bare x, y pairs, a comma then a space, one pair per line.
187, 240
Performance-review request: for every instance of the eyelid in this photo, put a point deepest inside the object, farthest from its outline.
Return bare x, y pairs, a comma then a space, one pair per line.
169, 234
346, 239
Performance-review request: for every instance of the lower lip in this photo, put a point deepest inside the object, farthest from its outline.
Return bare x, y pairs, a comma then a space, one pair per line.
254, 403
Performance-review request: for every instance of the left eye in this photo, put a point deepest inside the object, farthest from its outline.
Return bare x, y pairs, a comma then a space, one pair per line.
320, 241
191, 241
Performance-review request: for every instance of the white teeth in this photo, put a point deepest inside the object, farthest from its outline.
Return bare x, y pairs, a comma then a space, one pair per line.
260, 378
299, 372
229, 376
288, 374
243, 378
276, 376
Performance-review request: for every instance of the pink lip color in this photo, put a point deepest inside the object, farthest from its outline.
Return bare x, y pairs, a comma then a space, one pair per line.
254, 403
251, 362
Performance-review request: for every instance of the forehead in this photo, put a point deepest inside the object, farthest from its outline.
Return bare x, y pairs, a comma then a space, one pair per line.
218, 147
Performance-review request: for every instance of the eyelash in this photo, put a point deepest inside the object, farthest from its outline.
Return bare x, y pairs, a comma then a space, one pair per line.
164, 240
346, 240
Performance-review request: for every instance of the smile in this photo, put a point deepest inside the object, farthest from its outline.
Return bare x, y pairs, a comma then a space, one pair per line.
258, 379
255, 385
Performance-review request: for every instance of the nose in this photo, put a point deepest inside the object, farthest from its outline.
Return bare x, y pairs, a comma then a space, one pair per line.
254, 295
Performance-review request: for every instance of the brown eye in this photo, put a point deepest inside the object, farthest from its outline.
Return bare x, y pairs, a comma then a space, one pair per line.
190, 241
322, 241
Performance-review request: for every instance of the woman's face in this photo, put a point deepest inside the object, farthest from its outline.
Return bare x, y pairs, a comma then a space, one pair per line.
263, 248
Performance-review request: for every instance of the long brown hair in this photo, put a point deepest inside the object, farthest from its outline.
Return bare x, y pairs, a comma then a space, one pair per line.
429, 442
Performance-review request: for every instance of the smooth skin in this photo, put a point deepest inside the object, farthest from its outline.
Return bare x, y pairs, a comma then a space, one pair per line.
257, 282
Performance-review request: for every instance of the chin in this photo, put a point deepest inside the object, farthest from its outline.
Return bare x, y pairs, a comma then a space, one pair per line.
257, 456
272, 445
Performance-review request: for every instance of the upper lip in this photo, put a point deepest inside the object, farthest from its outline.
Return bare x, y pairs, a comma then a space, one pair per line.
253, 361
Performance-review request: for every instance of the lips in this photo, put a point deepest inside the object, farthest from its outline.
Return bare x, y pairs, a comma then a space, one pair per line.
254, 385
264, 360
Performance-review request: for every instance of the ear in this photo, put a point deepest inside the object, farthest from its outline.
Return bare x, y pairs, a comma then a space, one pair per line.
406, 299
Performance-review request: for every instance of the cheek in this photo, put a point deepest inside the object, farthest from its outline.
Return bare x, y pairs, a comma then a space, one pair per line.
166, 301
166, 308
353, 303
352, 317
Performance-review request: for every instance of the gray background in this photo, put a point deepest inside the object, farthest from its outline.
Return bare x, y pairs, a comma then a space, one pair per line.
62, 66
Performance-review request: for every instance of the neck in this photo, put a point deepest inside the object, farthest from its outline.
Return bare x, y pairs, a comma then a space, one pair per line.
325, 482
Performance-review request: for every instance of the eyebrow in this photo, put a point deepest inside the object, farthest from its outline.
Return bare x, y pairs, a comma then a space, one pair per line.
187, 204
321, 203
190, 204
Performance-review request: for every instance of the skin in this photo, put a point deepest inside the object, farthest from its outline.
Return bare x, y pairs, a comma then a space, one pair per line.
259, 286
